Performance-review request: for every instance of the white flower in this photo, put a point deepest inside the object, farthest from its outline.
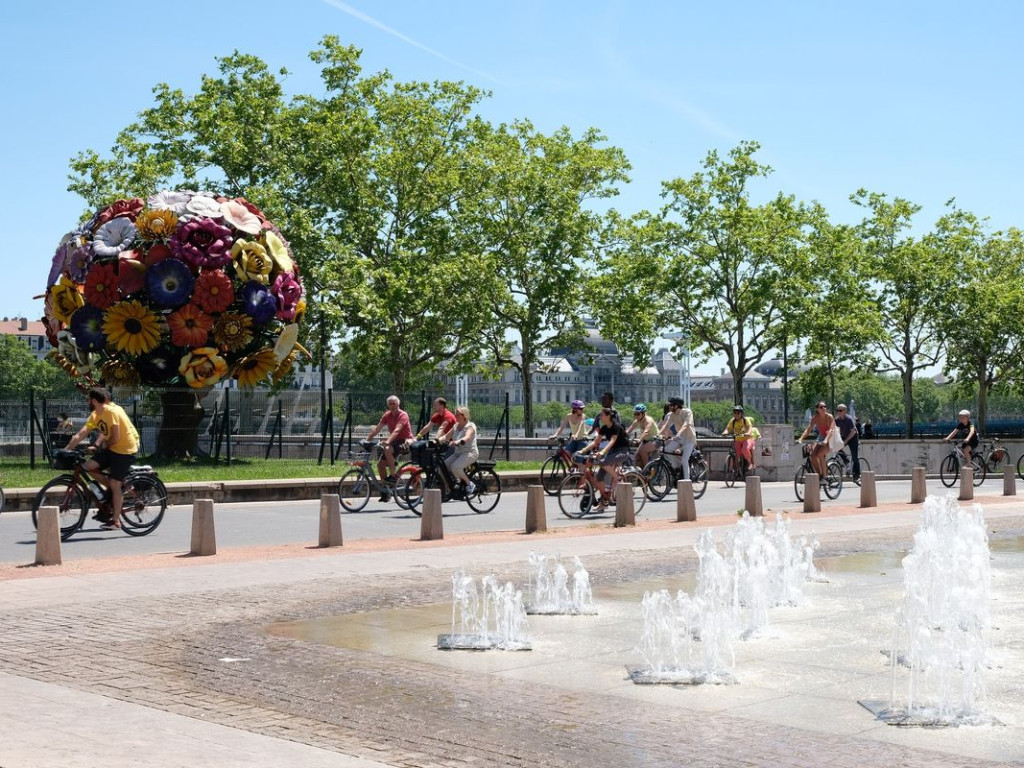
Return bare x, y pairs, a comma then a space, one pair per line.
240, 217
204, 207
114, 236
168, 201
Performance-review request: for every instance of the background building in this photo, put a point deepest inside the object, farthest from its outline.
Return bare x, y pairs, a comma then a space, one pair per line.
31, 332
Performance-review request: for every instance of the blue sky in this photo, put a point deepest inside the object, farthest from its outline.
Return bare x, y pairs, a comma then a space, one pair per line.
916, 99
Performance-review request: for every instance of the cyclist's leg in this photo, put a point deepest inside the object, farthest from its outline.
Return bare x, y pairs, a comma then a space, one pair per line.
685, 449
120, 466
854, 446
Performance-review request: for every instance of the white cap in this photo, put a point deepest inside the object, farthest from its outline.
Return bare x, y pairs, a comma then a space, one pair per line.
965, 412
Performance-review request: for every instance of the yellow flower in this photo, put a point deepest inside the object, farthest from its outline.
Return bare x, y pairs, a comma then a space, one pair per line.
232, 330
254, 368
65, 299
285, 366
300, 311
251, 261
120, 373
278, 252
203, 367
156, 225
130, 327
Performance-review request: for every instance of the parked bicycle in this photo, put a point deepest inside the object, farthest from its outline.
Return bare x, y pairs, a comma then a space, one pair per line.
995, 456
435, 474
143, 505
847, 463
577, 495
662, 475
558, 464
831, 485
359, 482
736, 468
949, 468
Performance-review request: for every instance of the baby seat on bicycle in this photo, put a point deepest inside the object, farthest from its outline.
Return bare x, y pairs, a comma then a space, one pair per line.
484, 464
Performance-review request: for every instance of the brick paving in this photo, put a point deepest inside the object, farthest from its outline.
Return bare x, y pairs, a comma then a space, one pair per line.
166, 652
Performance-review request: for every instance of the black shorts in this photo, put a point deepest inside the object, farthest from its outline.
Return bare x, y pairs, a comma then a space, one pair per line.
116, 464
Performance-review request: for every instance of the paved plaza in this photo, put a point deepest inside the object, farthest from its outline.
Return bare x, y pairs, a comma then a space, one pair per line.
327, 658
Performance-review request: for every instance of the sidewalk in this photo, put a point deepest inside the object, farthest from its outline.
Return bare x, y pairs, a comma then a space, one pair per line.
140, 668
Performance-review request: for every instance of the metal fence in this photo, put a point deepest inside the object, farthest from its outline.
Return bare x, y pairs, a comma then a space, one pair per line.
314, 425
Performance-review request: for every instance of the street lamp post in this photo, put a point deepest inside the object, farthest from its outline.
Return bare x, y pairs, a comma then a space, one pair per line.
683, 340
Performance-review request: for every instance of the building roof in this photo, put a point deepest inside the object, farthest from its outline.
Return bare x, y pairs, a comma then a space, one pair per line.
15, 327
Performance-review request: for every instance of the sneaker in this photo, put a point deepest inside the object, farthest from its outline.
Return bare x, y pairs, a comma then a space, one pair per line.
470, 488
103, 516
385, 496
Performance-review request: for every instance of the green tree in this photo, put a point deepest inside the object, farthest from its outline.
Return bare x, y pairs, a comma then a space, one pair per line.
727, 272
909, 285
20, 371
535, 224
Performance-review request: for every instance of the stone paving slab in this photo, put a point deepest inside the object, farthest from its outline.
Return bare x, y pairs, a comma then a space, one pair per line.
183, 652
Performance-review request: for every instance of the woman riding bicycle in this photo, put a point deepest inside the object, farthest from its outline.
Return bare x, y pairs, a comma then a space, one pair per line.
966, 434
464, 450
576, 421
648, 433
611, 446
742, 430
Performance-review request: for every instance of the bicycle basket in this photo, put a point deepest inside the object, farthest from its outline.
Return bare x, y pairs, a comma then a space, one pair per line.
998, 455
65, 459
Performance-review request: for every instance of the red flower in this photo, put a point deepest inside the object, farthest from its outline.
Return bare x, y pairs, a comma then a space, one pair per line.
213, 291
101, 285
131, 275
156, 254
130, 208
189, 326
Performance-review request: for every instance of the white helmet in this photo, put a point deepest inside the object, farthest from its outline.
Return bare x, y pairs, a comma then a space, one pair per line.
965, 412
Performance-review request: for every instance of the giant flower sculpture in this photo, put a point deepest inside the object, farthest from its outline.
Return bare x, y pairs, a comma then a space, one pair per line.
184, 288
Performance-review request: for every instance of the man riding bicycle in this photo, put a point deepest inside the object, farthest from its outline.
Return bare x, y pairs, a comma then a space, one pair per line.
399, 436
443, 419
681, 437
116, 447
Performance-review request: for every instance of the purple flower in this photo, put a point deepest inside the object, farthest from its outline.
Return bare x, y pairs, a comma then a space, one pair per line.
202, 243
60, 258
78, 263
87, 328
114, 236
169, 283
288, 291
258, 302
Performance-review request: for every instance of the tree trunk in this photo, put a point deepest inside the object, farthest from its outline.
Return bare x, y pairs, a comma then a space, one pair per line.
982, 399
908, 398
179, 428
527, 376
737, 386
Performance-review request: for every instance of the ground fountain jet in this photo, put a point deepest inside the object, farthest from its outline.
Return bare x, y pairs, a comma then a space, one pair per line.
487, 617
940, 649
549, 588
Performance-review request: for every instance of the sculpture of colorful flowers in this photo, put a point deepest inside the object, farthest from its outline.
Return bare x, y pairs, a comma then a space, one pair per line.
183, 288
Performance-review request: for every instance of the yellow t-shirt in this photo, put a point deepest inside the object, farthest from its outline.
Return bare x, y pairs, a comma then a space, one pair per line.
738, 426
128, 438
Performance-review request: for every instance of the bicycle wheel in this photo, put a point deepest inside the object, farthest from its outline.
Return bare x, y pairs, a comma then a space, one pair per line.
143, 505
354, 489
730, 472
798, 483
3, 499
833, 480
699, 476
636, 478
865, 466
402, 477
575, 496
949, 471
658, 474
1020, 467
485, 496
70, 500
551, 473
980, 470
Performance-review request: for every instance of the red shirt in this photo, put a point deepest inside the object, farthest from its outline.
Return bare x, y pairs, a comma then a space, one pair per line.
398, 425
447, 418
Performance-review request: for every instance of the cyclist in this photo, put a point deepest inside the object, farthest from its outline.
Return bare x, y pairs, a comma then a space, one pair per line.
851, 437
742, 430
965, 432
443, 419
679, 433
116, 446
823, 421
611, 446
648, 433
576, 421
398, 439
463, 451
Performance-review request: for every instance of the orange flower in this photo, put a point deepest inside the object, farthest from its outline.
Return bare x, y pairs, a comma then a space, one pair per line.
189, 326
101, 285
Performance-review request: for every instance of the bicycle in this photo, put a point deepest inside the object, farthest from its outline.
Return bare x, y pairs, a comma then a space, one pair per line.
360, 480
558, 464
144, 496
831, 485
994, 456
662, 475
436, 474
736, 468
847, 463
949, 468
576, 493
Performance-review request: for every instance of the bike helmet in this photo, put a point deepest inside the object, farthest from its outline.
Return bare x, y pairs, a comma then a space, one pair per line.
576, 404
639, 408
737, 408
590, 422
965, 412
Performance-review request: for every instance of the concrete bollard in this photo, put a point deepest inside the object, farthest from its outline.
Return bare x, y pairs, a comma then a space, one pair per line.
204, 537
868, 493
966, 483
431, 526
812, 492
330, 520
752, 501
536, 514
918, 487
686, 506
1009, 481
624, 512
48, 536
